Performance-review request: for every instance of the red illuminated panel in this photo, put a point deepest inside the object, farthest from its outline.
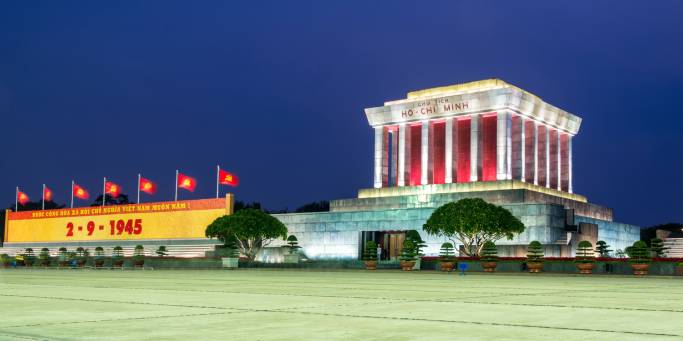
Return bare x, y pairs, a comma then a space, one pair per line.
517, 147
564, 163
542, 162
553, 158
529, 150
489, 123
415, 154
463, 150
439, 152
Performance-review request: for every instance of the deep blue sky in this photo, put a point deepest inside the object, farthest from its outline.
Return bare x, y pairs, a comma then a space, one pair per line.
275, 91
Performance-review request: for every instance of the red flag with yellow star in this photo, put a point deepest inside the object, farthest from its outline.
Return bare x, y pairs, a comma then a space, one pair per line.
227, 178
147, 186
80, 192
22, 198
112, 189
186, 182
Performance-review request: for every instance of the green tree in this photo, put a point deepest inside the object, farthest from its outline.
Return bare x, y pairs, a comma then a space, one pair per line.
317, 206
251, 228
585, 252
639, 253
657, 246
489, 252
534, 252
417, 240
447, 252
473, 222
602, 248
370, 252
121, 199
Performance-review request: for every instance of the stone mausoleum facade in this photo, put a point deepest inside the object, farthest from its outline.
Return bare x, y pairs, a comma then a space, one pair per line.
486, 139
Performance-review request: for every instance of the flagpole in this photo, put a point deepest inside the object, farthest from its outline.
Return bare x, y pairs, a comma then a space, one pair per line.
176, 185
72, 194
138, 188
104, 190
16, 200
218, 171
43, 197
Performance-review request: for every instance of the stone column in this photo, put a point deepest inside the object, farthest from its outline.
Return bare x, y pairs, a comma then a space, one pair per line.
474, 148
503, 144
401, 154
559, 160
522, 146
569, 146
379, 137
547, 157
425, 154
449, 151
535, 153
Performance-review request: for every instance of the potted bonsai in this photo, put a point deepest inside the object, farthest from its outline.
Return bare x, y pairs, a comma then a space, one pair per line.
419, 244
99, 257
117, 257
81, 256
6, 260
489, 256
370, 255
585, 258
408, 255
640, 258
161, 251
292, 256
139, 256
29, 257
230, 255
447, 257
44, 257
602, 249
63, 258
534, 257
657, 248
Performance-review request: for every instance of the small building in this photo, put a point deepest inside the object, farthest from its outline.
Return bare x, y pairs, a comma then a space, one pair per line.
486, 139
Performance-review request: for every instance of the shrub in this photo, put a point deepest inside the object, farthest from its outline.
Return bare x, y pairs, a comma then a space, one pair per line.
602, 248
409, 252
293, 244
620, 253
370, 252
63, 256
489, 253
657, 246
44, 255
417, 241
161, 251
6, 259
584, 252
447, 252
99, 253
138, 252
29, 256
117, 252
534, 252
639, 253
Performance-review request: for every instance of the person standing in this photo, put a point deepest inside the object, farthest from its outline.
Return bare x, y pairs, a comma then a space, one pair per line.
379, 251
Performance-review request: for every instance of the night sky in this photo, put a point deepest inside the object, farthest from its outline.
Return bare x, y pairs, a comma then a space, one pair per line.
275, 91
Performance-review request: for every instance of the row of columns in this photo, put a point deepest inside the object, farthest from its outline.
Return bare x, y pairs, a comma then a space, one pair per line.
524, 150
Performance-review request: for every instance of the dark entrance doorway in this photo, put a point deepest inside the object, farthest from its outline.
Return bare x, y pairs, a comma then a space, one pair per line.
390, 242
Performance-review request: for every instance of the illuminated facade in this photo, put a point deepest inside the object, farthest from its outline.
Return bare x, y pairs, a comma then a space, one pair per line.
486, 139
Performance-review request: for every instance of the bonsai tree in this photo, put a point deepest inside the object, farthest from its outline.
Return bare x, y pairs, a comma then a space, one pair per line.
489, 256
408, 255
472, 222
81, 256
415, 237
640, 257
657, 247
370, 255
99, 257
602, 249
44, 256
139, 255
63, 257
6, 260
117, 256
251, 228
161, 251
620, 253
585, 257
447, 253
293, 244
29, 257
534, 256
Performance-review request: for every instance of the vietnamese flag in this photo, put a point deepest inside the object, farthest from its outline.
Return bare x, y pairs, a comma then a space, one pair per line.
80, 192
112, 189
22, 198
186, 182
227, 178
47, 194
147, 186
